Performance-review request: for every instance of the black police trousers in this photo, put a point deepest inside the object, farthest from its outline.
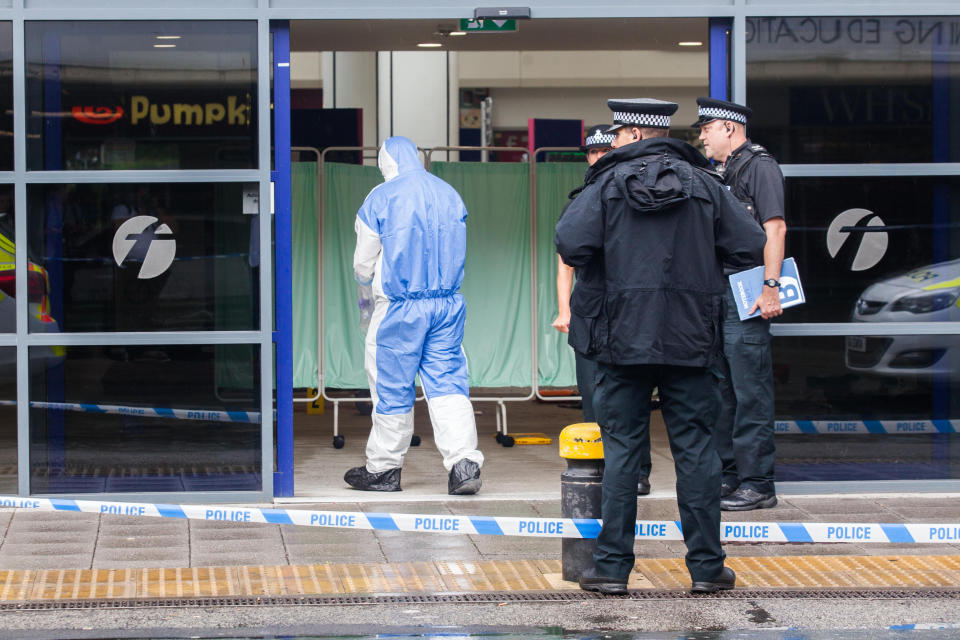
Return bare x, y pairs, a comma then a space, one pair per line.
690, 403
744, 429
586, 384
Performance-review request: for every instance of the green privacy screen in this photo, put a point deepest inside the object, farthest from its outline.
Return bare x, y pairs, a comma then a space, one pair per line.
496, 284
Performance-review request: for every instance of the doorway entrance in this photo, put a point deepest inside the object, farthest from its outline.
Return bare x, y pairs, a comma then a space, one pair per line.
499, 114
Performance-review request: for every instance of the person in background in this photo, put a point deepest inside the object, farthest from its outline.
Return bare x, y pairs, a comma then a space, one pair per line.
596, 144
745, 430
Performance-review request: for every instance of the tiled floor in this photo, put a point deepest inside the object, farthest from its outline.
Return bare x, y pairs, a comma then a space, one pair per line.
785, 572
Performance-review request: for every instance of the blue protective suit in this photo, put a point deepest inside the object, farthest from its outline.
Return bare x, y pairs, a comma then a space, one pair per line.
411, 246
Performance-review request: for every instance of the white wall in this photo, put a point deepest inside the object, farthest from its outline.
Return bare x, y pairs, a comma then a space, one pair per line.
513, 107
354, 75
639, 69
306, 70
524, 84
419, 97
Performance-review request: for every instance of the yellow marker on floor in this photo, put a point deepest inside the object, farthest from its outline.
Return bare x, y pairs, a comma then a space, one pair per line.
531, 438
315, 407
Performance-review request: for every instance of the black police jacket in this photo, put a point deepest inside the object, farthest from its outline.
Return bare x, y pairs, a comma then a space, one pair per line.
649, 232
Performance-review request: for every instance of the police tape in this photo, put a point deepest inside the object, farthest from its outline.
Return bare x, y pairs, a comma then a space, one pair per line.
207, 415
910, 427
503, 525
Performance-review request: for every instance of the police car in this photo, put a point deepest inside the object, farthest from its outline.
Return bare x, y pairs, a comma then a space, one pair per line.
38, 305
927, 294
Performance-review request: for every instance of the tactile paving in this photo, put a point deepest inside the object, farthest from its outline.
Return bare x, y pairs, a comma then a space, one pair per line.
777, 573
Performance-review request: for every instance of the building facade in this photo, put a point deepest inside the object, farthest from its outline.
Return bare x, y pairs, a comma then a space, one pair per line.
145, 234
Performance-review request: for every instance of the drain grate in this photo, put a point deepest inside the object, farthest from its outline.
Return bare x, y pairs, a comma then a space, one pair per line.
477, 598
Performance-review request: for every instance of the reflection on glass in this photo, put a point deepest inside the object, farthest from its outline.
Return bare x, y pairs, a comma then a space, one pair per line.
128, 418
6, 96
875, 249
148, 257
8, 420
867, 408
40, 319
141, 95
854, 89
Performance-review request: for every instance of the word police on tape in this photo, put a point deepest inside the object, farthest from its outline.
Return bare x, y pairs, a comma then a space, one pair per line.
504, 526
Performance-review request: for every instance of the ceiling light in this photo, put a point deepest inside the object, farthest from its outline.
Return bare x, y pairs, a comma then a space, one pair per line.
168, 37
458, 33
690, 43
429, 45
164, 46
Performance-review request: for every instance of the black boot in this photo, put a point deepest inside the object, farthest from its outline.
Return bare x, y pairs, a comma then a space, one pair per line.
590, 581
643, 486
724, 581
464, 478
360, 478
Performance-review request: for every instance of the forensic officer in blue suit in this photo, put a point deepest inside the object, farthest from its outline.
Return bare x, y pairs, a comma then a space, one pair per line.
411, 247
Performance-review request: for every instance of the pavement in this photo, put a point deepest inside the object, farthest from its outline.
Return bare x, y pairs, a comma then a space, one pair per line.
64, 557
33, 540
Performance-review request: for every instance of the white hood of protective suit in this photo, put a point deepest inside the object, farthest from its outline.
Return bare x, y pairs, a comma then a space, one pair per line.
398, 155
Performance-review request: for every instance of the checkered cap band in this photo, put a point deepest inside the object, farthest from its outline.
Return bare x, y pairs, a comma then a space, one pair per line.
599, 137
722, 114
641, 119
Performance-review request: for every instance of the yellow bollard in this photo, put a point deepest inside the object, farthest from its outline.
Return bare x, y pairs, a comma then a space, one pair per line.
581, 491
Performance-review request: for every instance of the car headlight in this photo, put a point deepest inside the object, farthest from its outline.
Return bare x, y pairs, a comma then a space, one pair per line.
926, 302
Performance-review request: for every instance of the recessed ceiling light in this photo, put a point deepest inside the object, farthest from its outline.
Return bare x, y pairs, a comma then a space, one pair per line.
168, 37
690, 43
429, 45
164, 46
458, 33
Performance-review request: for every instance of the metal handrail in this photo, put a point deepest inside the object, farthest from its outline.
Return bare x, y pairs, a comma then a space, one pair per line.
429, 152
530, 159
533, 284
501, 414
320, 273
533, 215
321, 302
316, 151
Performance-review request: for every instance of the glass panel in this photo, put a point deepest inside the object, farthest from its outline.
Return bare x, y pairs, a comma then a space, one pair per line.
8, 420
148, 257
145, 418
141, 95
875, 249
875, 408
856, 89
6, 96
40, 319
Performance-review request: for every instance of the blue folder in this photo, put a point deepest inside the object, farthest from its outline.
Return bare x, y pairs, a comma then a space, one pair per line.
747, 286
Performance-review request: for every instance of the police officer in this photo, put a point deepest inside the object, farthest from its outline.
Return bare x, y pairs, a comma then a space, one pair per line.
744, 432
596, 144
654, 222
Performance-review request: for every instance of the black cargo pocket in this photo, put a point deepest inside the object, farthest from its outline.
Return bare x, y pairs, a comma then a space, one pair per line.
757, 350
585, 307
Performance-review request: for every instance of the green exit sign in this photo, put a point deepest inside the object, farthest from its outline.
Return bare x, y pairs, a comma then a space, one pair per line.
500, 26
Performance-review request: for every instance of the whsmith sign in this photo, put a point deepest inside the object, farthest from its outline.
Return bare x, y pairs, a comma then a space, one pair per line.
875, 38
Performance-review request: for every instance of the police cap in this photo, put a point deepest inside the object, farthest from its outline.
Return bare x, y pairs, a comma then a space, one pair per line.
641, 112
711, 109
597, 137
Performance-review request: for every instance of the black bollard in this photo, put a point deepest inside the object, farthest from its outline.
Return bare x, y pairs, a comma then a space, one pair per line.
581, 491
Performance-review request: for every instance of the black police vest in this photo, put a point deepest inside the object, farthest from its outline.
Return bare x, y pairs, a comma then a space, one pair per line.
737, 188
